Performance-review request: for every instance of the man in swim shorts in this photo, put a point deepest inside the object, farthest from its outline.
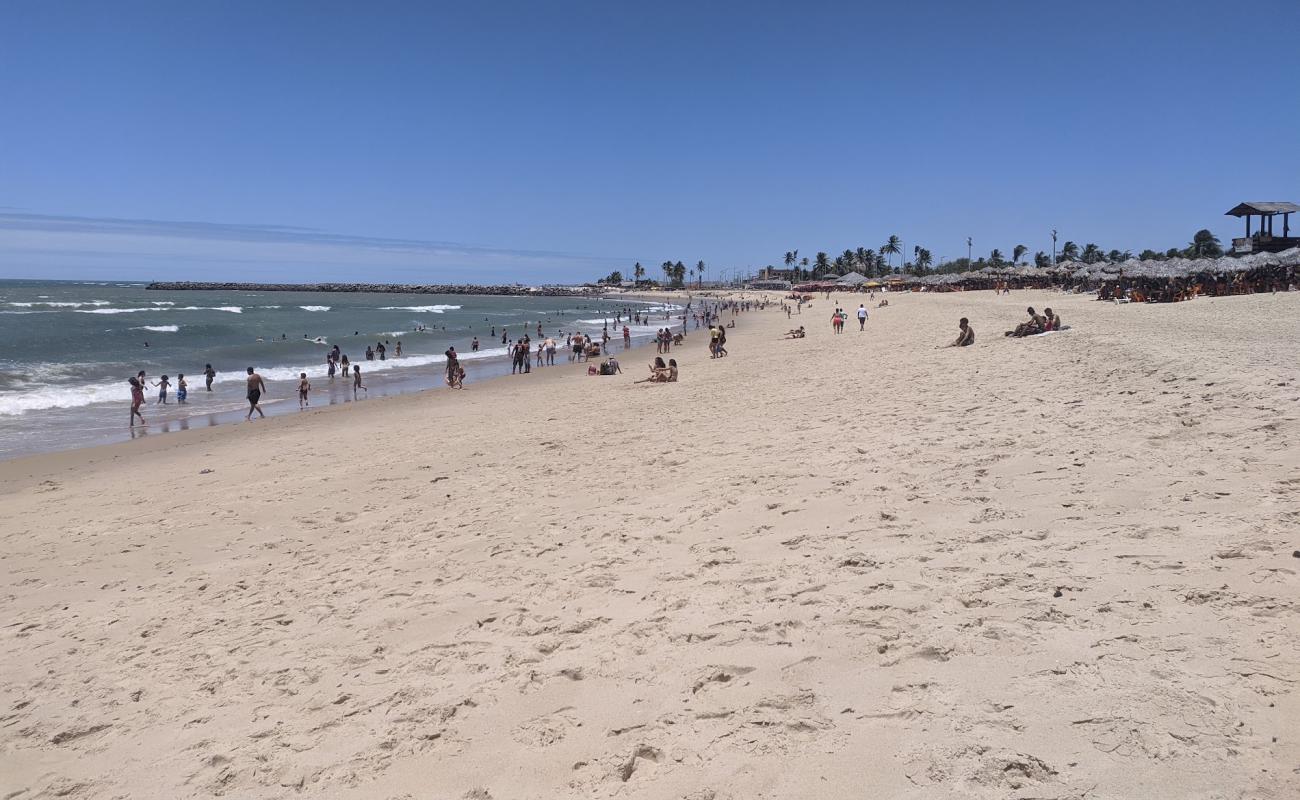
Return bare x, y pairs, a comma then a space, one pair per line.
255, 388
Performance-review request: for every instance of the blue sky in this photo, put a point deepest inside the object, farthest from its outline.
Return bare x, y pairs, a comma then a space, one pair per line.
556, 141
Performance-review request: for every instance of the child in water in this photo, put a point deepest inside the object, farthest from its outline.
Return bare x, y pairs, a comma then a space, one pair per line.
182, 389
304, 386
162, 385
356, 381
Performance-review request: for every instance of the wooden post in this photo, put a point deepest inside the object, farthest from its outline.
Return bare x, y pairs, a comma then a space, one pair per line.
1247, 226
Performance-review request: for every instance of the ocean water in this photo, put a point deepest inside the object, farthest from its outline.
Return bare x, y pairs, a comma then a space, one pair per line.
67, 349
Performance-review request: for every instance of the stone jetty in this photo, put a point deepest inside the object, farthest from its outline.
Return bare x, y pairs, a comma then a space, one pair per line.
379, 288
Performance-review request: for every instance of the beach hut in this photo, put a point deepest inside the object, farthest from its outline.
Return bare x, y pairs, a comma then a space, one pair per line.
1265, 239
852, 279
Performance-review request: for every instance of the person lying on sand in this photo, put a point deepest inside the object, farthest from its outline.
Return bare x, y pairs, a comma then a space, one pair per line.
1035, 325
967, 336
797, 333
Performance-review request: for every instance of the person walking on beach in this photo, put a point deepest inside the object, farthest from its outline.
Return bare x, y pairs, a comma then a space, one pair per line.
209, 374
356, 381
473, 346
304, 386
255, 388
550, 351
137, 400
862, 317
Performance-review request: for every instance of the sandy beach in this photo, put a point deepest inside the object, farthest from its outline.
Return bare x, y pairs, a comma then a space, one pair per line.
842, 566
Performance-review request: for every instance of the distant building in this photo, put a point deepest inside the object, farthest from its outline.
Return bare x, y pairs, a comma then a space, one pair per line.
1265, 239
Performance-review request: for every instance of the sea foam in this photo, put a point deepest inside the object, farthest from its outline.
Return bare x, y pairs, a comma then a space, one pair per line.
421, 309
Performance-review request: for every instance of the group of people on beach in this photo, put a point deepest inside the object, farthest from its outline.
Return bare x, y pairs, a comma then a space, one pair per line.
139, 382
337, 361
840, 317
1045, 322
581, 346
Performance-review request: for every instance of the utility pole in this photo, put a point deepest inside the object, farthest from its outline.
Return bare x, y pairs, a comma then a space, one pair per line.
1053, 246
968, 246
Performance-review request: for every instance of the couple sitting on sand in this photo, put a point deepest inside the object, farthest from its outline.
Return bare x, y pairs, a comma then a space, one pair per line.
1038, 323
661, 372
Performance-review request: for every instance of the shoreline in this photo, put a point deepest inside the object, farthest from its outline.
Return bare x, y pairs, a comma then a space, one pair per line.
76, 426
202, 426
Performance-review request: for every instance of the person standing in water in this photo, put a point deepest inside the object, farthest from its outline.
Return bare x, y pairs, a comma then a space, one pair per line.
356, 381
162, 389
304, 387
182, 389
137, 400
255, 388
208, 375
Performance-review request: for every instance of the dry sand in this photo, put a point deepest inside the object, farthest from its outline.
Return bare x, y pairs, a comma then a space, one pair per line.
847, 566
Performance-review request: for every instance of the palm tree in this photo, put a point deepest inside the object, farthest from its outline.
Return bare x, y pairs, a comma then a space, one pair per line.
1070, 251
995, 258
1091, 253
1042, 260
638, 272
890, 249
923, 260
803, 262
822, 264
1205, 245
862, 257
850, 260
1018, 252
667, 267
699, 270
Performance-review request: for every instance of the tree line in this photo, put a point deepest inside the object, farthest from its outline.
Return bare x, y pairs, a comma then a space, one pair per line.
878, 262
675, 275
